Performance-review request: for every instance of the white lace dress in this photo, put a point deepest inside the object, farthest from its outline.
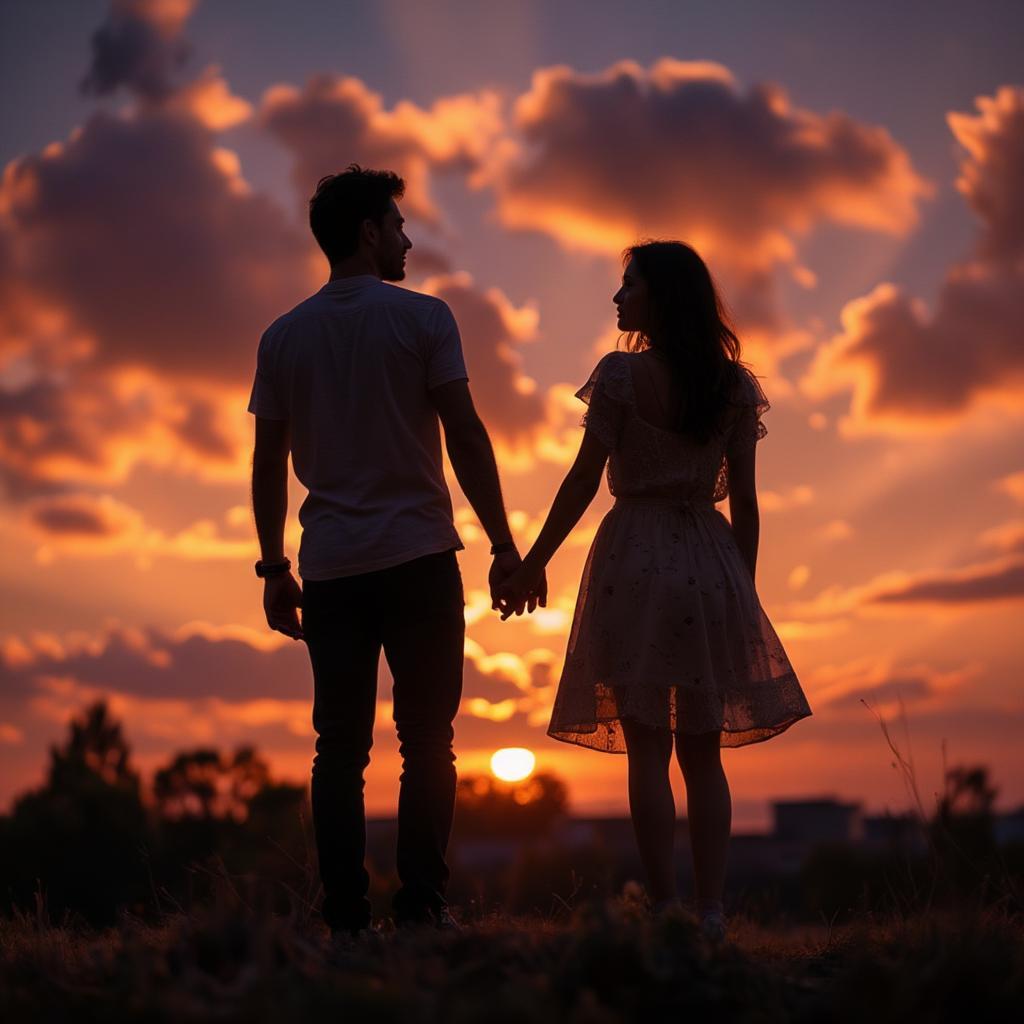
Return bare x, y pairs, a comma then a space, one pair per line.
668, 629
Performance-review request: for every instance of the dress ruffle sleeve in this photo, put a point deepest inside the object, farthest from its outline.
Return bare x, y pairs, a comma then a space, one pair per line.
605, 395
752, 404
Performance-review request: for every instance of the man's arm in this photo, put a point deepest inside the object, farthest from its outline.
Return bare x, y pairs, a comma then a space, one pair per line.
282, 595
270, 485
472, 458
574, 496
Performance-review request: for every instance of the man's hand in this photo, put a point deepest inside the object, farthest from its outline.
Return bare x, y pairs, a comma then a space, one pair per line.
523, 590
282, 597
503, 566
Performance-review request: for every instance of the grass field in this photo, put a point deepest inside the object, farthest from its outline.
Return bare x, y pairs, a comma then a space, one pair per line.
601, 962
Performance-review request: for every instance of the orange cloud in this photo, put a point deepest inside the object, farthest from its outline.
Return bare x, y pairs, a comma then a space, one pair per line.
1013, 485
775, 501
209, 100
679, 150
1007, 537
914, 370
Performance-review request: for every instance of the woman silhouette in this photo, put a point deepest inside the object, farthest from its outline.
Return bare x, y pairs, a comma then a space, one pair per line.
669, 637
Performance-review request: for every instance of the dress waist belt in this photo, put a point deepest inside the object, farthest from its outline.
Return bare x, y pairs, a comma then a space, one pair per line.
695, 504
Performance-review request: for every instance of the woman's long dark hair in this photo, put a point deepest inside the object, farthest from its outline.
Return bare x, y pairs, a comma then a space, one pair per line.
690, 328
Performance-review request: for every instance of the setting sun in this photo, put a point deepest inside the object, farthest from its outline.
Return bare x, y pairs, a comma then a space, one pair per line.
512, 764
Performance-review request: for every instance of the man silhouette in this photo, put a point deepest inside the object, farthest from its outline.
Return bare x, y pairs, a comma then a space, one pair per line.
352, 382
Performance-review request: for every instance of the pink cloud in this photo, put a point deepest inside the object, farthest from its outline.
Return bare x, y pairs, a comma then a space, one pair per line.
678, 149
492, 330
914, 370
334, 121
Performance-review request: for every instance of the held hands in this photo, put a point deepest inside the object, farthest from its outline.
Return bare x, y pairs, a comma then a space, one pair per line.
282, 597
525, 588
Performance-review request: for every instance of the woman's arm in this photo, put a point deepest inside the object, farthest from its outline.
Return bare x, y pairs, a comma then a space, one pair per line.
743, 511
574, 496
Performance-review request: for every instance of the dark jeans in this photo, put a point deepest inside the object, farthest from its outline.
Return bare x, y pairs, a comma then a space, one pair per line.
415, 611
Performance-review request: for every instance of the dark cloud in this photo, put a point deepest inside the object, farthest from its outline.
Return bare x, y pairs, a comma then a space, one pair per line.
87, 426
154, 246
909, 688
997, 582
139, 47
151, 664
994, 729
914, 370
964, 587
492, 329
201, 429
231, 665
137, 272
990, 179
77, 516
334, 121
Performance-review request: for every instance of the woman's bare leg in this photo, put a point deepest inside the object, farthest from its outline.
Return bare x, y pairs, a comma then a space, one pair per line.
651, 806
709, 810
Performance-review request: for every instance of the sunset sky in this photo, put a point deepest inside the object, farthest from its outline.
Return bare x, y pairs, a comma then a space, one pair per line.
851, 172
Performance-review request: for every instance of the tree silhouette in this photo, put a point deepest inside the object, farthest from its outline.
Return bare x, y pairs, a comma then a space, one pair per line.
81, 838
189, 786
95, 745
490, 807
204, 784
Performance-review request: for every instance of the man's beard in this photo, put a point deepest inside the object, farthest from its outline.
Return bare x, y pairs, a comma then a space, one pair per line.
395, 273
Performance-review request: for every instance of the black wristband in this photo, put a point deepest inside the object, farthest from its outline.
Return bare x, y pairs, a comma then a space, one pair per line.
265, 569
505, 545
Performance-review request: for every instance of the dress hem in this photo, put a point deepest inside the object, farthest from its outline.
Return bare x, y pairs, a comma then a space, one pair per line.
565, 736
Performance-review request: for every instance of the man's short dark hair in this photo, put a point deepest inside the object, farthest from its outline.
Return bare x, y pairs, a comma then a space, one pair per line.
343, 201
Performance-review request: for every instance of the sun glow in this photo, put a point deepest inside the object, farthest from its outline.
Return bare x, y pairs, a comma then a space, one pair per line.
512, 764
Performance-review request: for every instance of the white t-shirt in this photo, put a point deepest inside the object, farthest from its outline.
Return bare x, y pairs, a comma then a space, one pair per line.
350, 368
